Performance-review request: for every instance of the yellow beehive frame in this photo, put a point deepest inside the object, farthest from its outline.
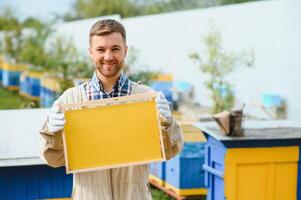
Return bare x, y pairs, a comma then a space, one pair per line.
111, 133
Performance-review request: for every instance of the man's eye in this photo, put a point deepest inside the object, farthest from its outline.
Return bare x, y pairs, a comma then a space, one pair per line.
116, 49
100, 50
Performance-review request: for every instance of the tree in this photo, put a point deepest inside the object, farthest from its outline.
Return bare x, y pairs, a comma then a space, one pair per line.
142, 75
26, 42
235, 1
218, 64
33, 46
66, 62
128, 8
12, 33
93, 8
8, 21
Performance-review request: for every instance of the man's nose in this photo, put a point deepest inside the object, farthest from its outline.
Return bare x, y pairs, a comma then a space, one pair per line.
108, 55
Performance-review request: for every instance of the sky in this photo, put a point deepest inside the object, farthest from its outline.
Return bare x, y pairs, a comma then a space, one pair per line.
43, 9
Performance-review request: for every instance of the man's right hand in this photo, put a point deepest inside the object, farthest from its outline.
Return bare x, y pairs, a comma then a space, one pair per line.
56, 118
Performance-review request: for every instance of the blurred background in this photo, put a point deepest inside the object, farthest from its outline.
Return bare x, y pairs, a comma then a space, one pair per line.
206, 56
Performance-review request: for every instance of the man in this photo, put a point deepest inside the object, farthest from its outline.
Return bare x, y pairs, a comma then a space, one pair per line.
107, 50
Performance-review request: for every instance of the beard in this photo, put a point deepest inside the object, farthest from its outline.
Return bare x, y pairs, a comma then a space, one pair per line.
109, 70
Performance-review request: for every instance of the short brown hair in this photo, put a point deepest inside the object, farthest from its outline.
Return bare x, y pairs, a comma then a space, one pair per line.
106, 27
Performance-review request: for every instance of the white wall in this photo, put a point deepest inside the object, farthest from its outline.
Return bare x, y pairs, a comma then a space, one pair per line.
272, 28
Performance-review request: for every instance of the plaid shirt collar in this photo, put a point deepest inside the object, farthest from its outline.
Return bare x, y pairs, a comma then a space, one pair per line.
96, 83
94, 88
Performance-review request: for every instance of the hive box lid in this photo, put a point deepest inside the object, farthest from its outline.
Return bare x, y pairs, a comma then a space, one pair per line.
258, 133
110, 133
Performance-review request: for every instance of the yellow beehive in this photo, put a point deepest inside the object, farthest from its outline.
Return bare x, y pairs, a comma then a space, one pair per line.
52, 83
191, 133
164, 77
177, 115
116, 132
15, 67
261, 173
35, 74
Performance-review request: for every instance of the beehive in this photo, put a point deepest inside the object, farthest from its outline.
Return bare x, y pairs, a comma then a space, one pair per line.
115, 132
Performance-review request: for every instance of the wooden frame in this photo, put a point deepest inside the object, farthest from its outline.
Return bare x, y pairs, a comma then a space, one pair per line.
111, 133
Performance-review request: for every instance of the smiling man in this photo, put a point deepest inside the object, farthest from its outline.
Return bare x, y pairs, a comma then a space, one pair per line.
107, 50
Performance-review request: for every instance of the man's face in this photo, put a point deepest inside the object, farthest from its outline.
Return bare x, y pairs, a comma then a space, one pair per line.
107, 53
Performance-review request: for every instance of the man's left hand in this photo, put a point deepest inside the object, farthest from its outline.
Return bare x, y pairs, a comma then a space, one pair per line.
163, 107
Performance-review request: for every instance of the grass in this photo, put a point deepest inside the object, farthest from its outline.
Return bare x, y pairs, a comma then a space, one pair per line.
12, 100
159, 195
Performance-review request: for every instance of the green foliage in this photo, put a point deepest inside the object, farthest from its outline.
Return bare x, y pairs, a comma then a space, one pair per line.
12, 30
23, 41
19, 46
128, 8
26, 42
34, 23
218, 64
173, 5
235, 1
12, 43
158, 194
142, 75
33, 46
93, 8
8, 21
66, 62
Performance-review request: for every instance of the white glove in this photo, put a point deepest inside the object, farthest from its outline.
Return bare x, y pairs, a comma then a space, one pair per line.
163, 107
56, 118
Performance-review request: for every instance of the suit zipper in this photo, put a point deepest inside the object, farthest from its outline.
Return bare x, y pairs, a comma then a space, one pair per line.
111, 184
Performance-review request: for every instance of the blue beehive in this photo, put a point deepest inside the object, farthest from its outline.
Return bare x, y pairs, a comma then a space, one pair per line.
42, 96
265, 162
299, 175
23, 88
165, 87
1, 72
50, 97
10, 79
271, 100
30, 85
184, 173
49, 92
11, 76
34, 84
214, 154
35, 88
157, 172
34, 182
47, 97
